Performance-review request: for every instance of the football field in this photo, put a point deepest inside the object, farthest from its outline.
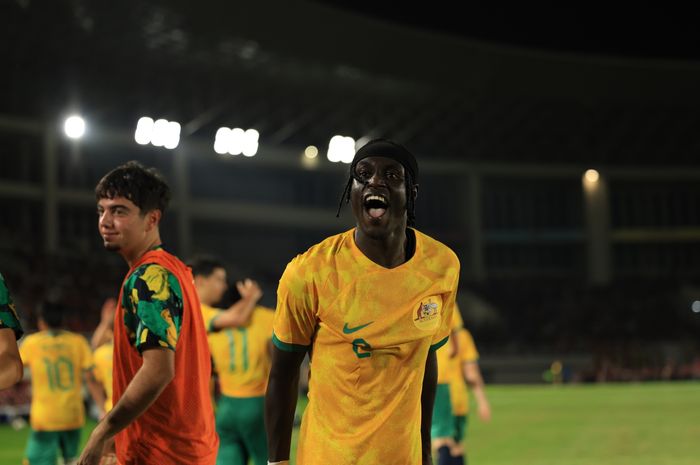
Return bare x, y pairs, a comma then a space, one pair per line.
611, 424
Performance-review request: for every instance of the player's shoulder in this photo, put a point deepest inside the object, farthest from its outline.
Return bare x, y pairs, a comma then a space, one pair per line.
321, 254
73, 337
264, 314
104, 350
433, 249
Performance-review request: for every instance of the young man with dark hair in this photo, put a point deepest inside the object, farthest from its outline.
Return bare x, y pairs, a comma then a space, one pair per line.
10, 331
371, 306
162, 411
58, 361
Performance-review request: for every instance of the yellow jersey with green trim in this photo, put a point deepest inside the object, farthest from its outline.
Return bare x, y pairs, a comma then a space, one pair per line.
459, 396
209, 314
103, 370
369, 330
242, 355
56, 360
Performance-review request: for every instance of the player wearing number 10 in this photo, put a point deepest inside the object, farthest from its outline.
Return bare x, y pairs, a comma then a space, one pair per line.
58, 361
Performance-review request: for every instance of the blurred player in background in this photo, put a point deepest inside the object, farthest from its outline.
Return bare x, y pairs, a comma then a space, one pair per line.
102, 343
58, 361
239, 340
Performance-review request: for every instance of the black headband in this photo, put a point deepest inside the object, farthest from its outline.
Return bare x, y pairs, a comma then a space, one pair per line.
388, 149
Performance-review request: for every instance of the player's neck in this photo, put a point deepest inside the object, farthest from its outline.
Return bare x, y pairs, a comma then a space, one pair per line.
388, 251
132, 256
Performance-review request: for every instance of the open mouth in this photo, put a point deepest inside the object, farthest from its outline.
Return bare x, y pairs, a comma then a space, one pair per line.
375, 205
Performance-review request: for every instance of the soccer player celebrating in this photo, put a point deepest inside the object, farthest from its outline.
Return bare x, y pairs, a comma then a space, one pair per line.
240, 346
370, 306
10, 331
59, 361
162, 411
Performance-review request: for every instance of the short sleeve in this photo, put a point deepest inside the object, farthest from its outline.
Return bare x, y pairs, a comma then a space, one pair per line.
87, 360
152, 300
448, 310
25, 350
8, 313
209, 314
467, 348
294, 323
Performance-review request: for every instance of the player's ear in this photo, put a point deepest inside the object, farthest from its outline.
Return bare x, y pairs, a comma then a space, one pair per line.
414, 192
153, 218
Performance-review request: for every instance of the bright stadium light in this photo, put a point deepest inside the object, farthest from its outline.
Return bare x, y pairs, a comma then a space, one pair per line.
250, 142
236, 141
311, 152
159, 133
221, 141
144, 130
592, 176
696, 306
74, 127
341, 149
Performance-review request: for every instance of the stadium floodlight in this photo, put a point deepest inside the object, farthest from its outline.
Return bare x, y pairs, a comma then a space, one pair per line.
311, 152
696, 306
341, 149
74, 127
592, 176
221, 140
159, 133
236, 141
144, 130
250, 142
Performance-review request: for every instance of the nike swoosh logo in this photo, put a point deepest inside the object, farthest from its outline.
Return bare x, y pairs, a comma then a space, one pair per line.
349, 330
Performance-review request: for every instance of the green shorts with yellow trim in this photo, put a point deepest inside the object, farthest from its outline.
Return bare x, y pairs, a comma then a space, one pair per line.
43, 446
443, 418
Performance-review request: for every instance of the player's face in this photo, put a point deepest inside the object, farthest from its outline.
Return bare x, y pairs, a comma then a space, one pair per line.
379, 201
217, 284
122, 226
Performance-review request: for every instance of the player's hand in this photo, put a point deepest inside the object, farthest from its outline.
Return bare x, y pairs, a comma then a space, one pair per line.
249, 289
95, 449
109, 307
485, 412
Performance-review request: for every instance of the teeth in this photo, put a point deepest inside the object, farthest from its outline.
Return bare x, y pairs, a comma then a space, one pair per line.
375, 197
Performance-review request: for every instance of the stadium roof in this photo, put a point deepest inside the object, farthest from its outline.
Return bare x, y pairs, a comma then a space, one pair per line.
497, 85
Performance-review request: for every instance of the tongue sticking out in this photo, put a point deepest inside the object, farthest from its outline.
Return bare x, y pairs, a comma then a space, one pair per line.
376, 212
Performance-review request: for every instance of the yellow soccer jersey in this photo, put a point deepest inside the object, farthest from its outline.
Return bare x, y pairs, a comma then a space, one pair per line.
458, 387
56, 360
209, 314
103, 370
447, 356
369, 329
242, 355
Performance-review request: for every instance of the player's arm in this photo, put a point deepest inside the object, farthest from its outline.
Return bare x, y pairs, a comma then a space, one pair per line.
96, 390
103, 332
239, 313
155, 374
281, 402
427, 400
472, 375
11, 369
